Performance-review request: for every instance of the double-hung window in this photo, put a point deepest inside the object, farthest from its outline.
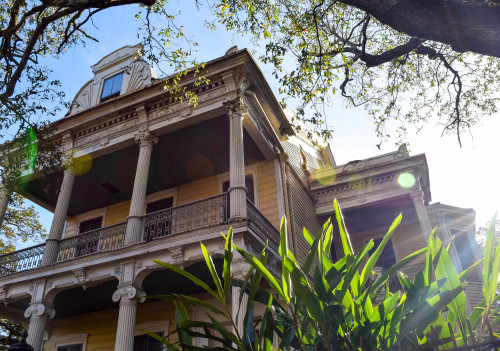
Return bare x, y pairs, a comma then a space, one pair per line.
112, 86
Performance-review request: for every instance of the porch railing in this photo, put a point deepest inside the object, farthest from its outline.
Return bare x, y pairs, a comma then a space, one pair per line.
203, 213
258, 219
21, 260
410, 271
194, 215
98, 240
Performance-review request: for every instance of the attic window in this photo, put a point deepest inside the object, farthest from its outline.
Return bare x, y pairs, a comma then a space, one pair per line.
112, 86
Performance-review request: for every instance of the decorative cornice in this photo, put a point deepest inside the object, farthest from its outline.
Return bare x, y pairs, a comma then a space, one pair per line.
129, 294
39, 310
145, 138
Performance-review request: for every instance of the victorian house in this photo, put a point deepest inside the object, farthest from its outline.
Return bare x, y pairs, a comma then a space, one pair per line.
154, 176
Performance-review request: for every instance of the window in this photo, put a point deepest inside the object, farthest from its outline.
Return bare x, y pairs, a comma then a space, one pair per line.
112, 86
464, 250
74, 347
89, 244
144, 342
248, 185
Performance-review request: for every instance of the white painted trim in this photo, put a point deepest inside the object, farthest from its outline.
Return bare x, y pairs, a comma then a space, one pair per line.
160, 195
249, 170
279, 187
71, 339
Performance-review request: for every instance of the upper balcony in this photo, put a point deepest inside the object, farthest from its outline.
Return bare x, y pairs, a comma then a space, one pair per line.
160, 225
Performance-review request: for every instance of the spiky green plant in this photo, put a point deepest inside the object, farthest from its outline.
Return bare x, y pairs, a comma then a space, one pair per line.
323, 305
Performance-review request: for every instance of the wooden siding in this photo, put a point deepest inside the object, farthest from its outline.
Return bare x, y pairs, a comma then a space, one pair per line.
304, 216
101, 326
203, 188
268, 194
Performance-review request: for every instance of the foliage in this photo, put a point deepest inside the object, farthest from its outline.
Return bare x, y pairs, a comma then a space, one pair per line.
21, 223
343, 305
10, 333
335, 47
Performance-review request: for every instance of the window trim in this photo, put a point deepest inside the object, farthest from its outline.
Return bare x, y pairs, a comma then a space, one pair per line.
249, 170
104, 79
71, 339
160, 195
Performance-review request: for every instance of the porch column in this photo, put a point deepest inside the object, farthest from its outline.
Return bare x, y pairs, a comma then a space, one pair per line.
146, 141
425, 224
239, 271
447, 239
237, 190
5, 194
128, 296
38, 313
60, 213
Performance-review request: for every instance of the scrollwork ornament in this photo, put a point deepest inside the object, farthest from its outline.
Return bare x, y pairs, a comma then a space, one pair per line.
39, 310
146, 138
235, 107
127, 294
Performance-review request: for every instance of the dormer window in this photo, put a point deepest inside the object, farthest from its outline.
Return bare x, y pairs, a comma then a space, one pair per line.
112, 86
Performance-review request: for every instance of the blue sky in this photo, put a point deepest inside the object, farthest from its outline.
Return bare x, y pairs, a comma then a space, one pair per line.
464, 177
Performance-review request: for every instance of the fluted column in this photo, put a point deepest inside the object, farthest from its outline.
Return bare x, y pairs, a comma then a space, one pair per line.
5, 194
39, 314
128, 296
239, 271
60, 213
237, 190
146, 141
447, 239
425, 223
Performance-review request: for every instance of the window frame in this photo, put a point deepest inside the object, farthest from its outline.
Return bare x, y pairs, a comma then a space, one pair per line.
249, 170
71, 339
107, 78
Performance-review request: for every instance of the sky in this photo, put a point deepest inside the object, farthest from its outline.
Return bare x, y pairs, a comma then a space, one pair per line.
464, 176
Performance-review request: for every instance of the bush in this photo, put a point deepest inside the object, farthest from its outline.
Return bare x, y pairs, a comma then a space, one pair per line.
324, 305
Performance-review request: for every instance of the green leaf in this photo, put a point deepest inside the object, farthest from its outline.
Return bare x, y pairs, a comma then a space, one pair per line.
283, 251
265, 273
488, 259
213, 272
374, 257
496, 263
344, 236
191, 277
189, 301
228, 258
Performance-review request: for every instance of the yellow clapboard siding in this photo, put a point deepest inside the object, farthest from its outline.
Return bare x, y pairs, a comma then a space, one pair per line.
268, 199
197, 190
101, 326
117, 213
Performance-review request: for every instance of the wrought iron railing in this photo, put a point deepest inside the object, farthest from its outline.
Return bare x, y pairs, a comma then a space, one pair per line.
21, 260
409, 270
98, 240
194, 215
258, 219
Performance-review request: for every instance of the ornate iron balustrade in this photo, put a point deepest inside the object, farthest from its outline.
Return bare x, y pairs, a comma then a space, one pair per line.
194, 215
258, 219
21, 260
410, 271
98, 240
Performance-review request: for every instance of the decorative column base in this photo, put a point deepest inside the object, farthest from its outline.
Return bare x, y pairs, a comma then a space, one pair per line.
128, 296
39, 314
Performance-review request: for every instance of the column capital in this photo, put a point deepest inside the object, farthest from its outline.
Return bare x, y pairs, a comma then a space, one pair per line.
417, 195
129, 295
145, 137
235, 107
39, 309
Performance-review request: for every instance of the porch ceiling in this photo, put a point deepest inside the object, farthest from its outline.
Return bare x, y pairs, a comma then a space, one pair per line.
183, 156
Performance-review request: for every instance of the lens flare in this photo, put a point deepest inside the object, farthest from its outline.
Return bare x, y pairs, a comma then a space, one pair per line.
324, 176
406, 180
82, 164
